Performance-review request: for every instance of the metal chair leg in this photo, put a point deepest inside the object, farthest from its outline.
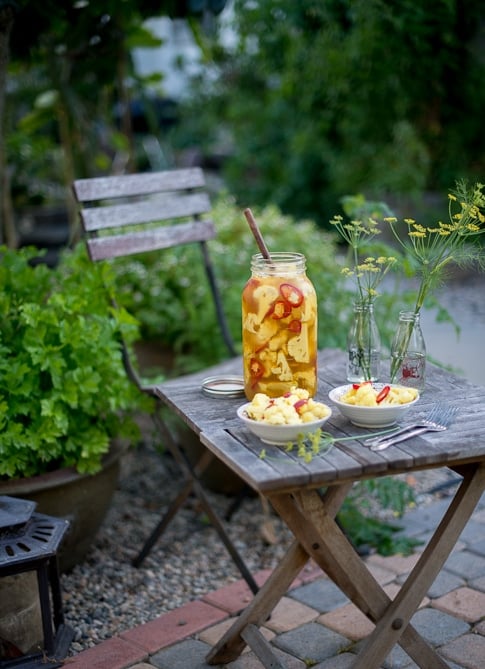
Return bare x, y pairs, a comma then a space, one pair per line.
163, 524
192, 484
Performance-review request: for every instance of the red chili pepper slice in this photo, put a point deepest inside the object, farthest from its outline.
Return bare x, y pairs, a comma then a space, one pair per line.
262, 347
356, 386
280, 309
291, 294
256, 368
299, 405
383, 394
295, 326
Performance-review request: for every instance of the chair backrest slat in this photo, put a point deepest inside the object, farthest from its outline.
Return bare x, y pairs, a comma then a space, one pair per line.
116, 246
154, 209
129, 185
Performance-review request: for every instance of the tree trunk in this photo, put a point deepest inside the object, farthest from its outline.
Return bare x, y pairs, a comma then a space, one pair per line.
7, 227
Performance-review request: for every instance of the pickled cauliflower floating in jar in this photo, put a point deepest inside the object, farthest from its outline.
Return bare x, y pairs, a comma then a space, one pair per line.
279, 326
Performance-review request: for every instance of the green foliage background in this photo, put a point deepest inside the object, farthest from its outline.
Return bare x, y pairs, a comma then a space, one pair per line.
321, 99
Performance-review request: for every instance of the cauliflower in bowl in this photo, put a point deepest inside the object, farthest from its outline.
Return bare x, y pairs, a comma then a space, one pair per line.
364, 394
373, 405
284, 420
292, 408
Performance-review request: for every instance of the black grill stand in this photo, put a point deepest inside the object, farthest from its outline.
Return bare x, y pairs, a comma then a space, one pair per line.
29, 542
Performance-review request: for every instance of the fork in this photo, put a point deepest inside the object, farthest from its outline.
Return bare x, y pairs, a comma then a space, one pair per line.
433, 415
438, 420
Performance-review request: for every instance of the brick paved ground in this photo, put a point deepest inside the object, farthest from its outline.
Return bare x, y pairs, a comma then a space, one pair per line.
315, 624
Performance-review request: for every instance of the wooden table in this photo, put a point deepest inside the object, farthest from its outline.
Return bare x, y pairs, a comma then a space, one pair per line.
308, 496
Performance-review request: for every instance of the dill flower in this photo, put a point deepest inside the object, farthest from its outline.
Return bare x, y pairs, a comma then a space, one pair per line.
366, 273
431, 250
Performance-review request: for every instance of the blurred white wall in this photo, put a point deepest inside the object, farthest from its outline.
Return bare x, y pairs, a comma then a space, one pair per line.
179, 57
176, 59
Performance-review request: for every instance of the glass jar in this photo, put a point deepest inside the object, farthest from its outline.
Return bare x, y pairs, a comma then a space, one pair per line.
363, 345
279, 326
408, 352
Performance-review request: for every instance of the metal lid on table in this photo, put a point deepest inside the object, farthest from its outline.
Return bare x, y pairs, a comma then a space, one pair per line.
223, 386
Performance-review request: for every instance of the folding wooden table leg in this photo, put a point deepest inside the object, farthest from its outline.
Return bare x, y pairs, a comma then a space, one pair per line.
257, 612
331, 550
316, 529
391, 625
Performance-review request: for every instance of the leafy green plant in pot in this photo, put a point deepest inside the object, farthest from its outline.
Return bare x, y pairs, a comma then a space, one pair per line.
65, 399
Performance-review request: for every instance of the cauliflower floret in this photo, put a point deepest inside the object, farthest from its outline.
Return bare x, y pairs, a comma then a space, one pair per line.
401, 395
282, 369
365, 395
292, 408
298, 347
313, 411
265, 295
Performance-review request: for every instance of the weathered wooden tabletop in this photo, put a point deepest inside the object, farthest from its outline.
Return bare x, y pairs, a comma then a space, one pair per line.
220, 430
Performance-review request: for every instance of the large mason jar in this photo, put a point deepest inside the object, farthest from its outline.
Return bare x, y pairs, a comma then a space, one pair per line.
279, 326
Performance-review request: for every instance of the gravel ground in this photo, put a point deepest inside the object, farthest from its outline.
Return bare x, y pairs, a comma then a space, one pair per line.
105, 595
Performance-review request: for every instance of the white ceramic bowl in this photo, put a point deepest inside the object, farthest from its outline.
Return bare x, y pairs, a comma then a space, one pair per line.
375, 417
278, 435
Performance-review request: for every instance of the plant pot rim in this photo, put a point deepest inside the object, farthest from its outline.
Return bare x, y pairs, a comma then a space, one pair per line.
58, 477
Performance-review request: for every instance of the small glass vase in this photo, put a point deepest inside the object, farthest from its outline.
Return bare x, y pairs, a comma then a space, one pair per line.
408, 352
363, 345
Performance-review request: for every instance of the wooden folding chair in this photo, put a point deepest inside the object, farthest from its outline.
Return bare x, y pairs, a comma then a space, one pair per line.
175, 201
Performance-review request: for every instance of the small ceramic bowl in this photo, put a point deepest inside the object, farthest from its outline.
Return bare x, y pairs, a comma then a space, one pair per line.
374, 417
278, 435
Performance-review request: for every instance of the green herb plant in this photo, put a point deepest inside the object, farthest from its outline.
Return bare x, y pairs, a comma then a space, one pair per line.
365, 529
64, 393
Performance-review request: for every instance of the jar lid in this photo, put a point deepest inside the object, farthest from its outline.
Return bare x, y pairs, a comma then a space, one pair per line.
223, 386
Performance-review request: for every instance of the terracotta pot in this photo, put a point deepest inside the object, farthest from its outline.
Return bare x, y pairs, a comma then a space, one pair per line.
84, 500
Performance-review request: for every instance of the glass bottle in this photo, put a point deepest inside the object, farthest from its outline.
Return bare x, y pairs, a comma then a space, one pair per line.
279, 326
363, 345
408, 352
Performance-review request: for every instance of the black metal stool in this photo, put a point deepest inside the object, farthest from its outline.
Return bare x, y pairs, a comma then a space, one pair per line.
29, 542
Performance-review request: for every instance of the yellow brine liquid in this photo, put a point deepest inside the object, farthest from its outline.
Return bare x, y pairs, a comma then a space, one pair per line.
279, 326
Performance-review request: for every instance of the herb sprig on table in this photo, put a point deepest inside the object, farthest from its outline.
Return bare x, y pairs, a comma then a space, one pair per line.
318, 443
